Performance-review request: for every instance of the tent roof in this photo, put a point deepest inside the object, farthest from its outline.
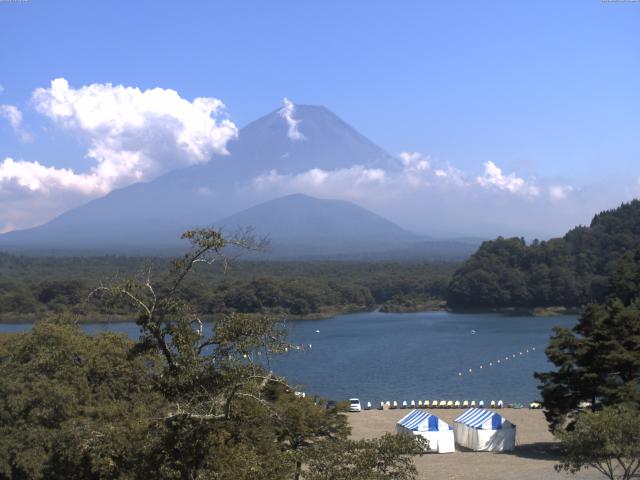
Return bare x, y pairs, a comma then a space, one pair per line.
478, 417
417, 419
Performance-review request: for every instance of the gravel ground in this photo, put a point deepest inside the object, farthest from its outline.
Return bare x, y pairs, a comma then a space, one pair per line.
533, 458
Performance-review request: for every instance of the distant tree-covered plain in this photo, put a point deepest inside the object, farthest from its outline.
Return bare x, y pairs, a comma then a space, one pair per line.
504, 273
33, 286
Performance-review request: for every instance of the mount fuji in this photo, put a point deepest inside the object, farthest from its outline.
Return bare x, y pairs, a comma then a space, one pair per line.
149, 217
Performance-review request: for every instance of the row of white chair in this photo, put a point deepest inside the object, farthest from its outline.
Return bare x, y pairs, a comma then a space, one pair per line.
438, 404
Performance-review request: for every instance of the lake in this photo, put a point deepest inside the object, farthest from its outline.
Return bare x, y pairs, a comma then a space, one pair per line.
410, 356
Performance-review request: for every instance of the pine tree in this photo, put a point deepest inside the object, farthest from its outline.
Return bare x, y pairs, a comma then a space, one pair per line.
598, 361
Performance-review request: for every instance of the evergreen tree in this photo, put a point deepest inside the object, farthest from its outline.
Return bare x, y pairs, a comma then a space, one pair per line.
598, 361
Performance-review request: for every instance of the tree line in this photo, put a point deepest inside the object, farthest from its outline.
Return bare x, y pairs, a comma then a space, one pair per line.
568, 271
32, 287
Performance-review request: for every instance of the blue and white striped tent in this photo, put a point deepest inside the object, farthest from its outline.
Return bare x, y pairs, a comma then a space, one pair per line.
424, 424
484, 430
421, 421
481, 418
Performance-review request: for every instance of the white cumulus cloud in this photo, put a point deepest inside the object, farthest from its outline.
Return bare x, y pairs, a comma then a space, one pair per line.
133, 134
417, 172
347, 182
414, 161
31, 193
494, 178
414, 175
38, 178
286, 112
451, 175
559, 192
14, 116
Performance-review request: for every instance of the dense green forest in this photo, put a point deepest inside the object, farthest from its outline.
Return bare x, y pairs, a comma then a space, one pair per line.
179, 403
568, 271
31, 287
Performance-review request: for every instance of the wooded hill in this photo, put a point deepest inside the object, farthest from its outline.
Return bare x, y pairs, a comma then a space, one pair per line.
568, 271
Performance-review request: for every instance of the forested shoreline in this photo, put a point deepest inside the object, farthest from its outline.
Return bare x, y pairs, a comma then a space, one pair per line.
568, 272
33, 287
510, 275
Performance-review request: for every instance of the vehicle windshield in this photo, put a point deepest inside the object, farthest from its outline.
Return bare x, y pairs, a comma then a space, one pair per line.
355, 402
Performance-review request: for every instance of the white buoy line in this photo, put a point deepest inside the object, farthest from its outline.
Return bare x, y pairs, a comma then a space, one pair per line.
499, 361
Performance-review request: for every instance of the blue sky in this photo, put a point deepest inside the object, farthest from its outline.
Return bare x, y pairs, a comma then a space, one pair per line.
547, 90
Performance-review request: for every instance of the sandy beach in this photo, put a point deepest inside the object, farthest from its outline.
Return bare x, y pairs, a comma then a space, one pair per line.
533, 459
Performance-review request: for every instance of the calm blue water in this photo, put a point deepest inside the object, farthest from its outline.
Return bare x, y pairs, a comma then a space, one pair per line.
382, 356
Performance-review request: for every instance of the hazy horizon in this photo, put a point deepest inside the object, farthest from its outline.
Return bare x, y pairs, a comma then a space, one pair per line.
498, 119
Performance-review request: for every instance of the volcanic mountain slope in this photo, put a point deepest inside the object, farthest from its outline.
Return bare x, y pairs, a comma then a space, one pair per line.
149, 217
152, 214
306, 225
296, 225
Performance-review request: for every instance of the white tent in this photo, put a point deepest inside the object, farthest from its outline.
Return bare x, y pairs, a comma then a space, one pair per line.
484, 430
427, 425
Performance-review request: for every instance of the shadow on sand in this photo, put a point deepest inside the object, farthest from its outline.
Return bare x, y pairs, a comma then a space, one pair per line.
531, 451
537, 451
